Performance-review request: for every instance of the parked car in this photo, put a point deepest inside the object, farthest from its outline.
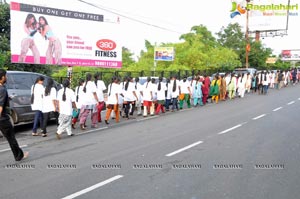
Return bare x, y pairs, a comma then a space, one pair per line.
142, 80
19, 91
245, 71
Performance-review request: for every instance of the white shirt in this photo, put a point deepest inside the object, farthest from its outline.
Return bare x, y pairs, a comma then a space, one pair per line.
48, 104
65, 107
174, 94
112, 90
121, 91
100, 88
161, 94
138, 90
227, 79
38, 97
88, 96
184, 87
266, 80
148, 87
169, 91
79, 94
128, 94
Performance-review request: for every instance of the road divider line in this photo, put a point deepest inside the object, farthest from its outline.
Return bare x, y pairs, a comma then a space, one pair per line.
292, 102
98, 129
230, 129
147, 118
184, 149
84, 191
258, 117
4, 150
277, 109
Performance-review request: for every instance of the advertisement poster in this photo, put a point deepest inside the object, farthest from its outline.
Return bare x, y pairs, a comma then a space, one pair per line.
163, 53
290, 55
47, 35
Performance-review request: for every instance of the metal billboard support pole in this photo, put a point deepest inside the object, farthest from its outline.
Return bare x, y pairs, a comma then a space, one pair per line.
247, 36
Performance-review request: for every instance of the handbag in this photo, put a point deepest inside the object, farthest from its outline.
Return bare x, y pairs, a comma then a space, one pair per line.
181, 96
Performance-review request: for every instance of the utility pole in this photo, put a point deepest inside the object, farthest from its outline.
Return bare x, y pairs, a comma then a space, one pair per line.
247, 36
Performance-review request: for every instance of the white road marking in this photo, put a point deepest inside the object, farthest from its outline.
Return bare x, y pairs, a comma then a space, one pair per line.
258, 117
4, 150
183, 149
98, 129
299, 98
230, 129
147, 118
292, 102
277, 109
84, 191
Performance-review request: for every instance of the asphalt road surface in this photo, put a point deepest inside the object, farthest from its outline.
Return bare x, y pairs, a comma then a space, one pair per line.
240, 149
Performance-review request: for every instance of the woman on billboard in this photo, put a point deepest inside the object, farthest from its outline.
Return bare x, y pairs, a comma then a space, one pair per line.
54, 46
30, 27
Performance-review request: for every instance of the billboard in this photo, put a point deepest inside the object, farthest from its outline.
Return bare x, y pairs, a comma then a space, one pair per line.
271, 60
163, 53
271, 14
47, 35
290, 55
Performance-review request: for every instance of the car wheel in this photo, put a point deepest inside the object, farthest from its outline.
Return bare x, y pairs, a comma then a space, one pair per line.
1, 134
11, 120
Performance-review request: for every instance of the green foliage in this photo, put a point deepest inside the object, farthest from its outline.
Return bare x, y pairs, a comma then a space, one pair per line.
280, 65
127, 59
233, 38
198, 51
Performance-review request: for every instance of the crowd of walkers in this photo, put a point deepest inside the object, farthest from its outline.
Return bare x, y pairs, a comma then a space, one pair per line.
122, 98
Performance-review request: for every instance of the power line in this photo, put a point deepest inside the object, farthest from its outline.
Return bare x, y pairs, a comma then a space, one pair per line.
130, 18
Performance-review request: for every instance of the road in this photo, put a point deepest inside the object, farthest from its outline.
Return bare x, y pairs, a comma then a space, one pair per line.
244, 148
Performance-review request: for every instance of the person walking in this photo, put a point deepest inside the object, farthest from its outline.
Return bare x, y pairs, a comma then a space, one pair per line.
223, 88
148, 95
5, 124
138, 89
89, 103
130, 97
100, 85
214, 90
185, 92
66, 103
175, 91
232, 87
78, 100
37, 94
168, 95
49, 104
205, 89
197, 92
112, 100
161, 96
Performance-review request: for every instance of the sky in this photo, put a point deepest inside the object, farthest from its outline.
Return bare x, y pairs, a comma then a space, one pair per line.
164, 21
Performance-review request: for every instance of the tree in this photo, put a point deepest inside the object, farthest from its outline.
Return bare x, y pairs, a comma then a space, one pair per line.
232, 37
127, 59
198, 51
